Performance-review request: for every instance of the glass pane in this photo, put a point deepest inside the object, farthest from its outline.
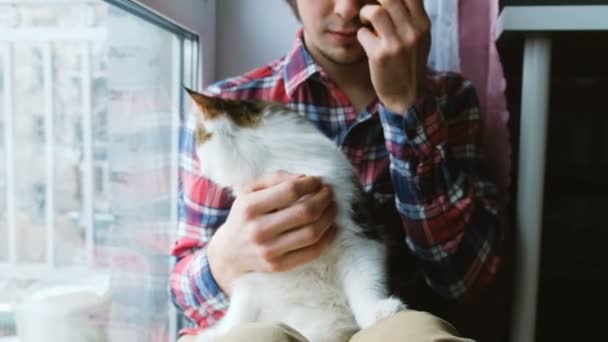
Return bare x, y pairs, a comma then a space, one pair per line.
67, 92
3, 162
94, 95
140, 85
29, 162
188, 44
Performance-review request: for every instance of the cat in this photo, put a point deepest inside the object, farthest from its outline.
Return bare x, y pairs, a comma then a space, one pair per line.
325, 300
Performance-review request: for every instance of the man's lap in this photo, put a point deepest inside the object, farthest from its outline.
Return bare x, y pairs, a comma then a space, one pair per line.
409, 325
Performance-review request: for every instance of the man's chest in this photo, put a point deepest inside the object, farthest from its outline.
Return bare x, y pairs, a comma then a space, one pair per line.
361, 139
358, 134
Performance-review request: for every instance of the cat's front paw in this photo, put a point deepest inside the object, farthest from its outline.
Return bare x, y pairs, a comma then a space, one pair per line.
381, 310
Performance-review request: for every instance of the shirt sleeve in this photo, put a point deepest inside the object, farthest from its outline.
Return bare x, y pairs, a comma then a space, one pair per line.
203, 208
447, 203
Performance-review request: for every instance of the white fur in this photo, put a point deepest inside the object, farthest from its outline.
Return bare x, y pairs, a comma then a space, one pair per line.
344, 290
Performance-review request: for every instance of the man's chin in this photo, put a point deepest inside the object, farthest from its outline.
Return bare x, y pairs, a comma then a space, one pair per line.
345, 58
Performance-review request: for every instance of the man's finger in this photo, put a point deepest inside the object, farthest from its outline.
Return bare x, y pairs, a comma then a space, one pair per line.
297, 215
399, 14
304, 255
368, 40
303, 236
272, 179
417, 11
281, 195
378, 17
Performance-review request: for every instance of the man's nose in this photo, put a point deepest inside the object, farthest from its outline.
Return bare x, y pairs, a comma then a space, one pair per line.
347, 9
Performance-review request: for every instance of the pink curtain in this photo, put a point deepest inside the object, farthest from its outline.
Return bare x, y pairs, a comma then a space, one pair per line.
481, 64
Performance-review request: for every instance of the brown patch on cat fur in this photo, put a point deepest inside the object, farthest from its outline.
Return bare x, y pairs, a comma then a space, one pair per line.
201, 134
242, 113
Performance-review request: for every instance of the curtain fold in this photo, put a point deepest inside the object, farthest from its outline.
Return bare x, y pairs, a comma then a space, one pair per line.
464, 41
444, 54
480, 62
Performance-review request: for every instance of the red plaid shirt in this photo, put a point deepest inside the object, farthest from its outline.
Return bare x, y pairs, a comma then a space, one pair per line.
428, 162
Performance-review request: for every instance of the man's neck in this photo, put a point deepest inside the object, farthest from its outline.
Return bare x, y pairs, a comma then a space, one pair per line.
353, 79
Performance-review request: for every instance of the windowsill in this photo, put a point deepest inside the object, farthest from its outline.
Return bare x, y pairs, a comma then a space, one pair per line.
9, 339
552, 18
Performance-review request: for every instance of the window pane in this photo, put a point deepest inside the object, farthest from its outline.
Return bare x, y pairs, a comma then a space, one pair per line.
90, 105
3, 176
67, 145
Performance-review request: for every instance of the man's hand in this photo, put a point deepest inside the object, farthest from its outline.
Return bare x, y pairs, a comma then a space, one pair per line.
397, 49
284, 221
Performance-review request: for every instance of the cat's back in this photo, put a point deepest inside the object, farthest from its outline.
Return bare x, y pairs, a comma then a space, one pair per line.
293, 144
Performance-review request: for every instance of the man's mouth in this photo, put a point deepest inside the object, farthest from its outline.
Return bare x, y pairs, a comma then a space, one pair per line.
343, 36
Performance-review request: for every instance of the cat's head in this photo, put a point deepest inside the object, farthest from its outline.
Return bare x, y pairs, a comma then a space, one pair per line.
221, 115
226, 135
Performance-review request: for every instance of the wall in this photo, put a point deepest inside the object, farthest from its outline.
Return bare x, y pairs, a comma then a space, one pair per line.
197, 16
251, 33
245, 33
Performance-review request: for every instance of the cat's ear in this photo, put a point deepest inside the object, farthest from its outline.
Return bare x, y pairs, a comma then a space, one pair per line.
208, 107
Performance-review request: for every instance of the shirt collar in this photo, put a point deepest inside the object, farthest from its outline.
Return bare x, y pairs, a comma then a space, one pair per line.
299, 65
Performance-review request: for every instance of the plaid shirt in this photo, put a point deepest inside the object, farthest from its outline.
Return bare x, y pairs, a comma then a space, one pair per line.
427, 162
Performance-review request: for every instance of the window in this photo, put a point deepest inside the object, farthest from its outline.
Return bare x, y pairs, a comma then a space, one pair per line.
90, 105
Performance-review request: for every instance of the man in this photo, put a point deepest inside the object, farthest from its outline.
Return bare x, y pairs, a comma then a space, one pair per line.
358, 71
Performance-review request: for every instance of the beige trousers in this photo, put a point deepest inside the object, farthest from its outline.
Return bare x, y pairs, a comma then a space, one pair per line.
409, 325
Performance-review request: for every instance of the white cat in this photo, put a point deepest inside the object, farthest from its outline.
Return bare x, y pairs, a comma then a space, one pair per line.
339, 293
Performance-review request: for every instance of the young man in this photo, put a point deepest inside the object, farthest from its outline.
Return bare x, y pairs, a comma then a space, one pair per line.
358, 71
